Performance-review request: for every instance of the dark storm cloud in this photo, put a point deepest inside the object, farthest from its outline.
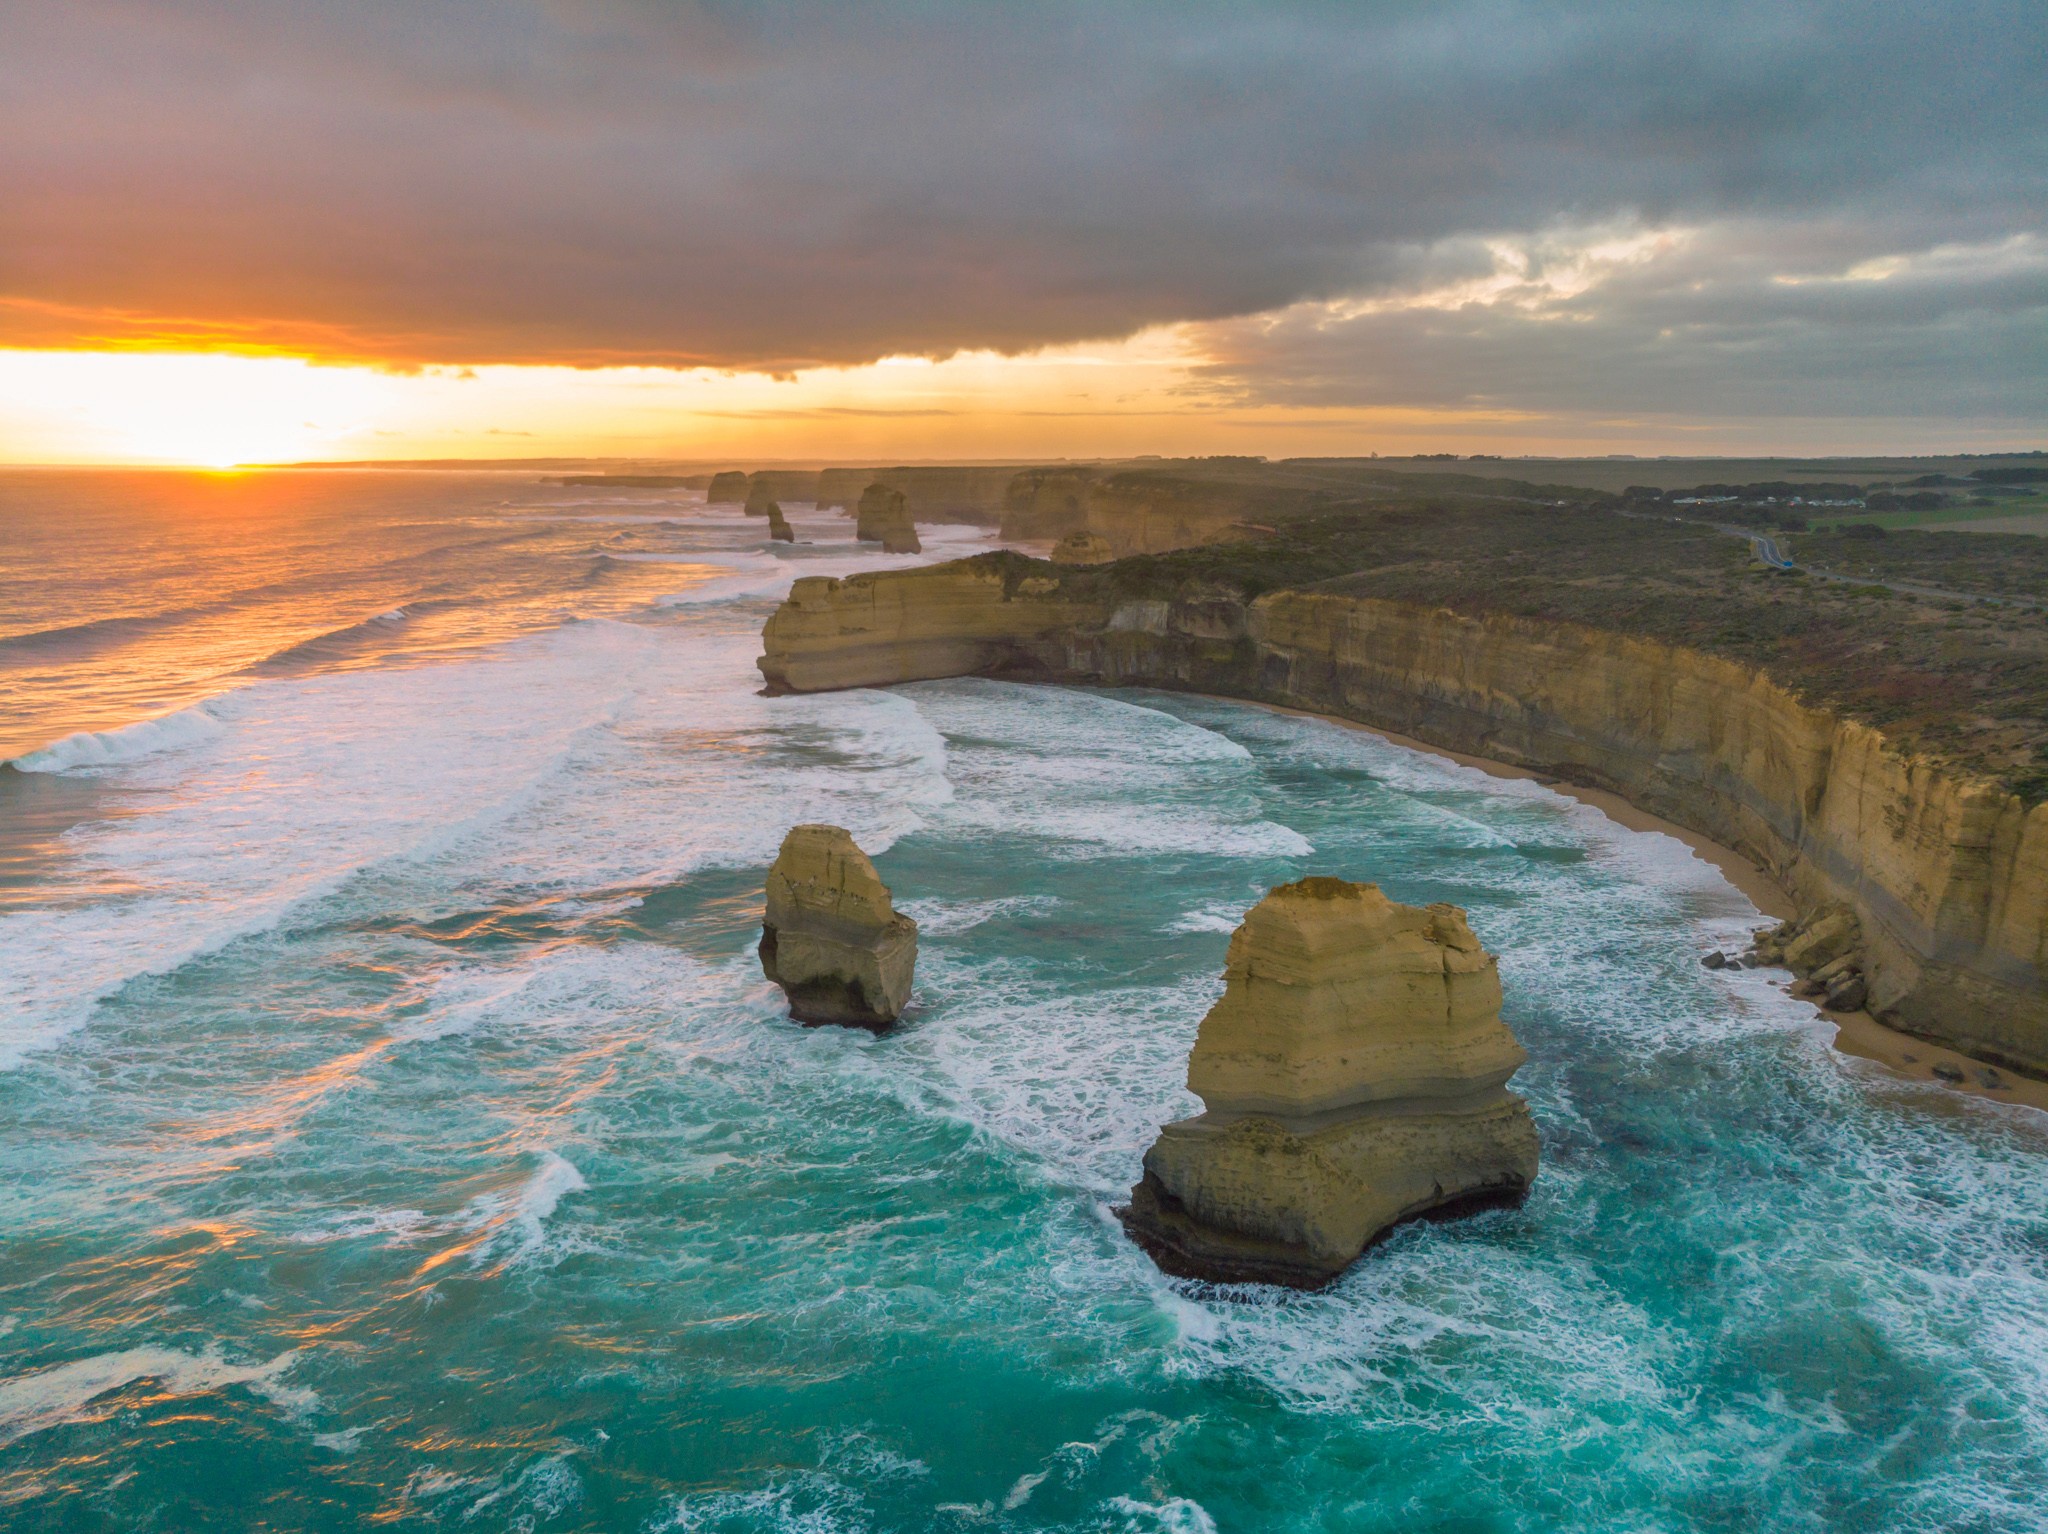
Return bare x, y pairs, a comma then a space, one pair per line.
1755, 320
774, 185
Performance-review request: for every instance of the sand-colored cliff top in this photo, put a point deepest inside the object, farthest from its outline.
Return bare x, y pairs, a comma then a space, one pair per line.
1335, 995
823, 882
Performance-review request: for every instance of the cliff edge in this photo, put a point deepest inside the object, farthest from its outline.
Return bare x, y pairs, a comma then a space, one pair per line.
1946, 873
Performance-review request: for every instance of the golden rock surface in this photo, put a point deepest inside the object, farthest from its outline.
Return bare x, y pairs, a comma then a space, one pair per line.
831, 936
1354, 1074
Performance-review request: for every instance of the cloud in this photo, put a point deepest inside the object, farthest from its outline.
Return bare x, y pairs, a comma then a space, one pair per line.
1735, 320
776, 186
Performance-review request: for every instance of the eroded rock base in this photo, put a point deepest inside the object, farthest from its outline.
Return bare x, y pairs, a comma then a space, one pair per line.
1256, 1200
822, 994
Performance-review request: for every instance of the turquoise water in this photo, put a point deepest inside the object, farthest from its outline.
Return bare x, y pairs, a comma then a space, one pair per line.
397, 1127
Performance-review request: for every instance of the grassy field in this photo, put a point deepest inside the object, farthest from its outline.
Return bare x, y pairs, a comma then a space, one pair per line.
1617, 474
1963, 682
2029, 515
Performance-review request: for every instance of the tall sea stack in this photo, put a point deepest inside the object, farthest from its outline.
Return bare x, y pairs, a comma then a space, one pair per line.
831, 937
884, 518
778, 525
1355, 1075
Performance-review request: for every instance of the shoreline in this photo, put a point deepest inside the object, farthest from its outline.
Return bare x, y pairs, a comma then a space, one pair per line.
1857, 1034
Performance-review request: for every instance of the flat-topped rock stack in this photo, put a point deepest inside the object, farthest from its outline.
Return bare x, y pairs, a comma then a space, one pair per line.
1082, 548
728, 487
778, 525
1354, 1074
884, 518
831, 937
759, 498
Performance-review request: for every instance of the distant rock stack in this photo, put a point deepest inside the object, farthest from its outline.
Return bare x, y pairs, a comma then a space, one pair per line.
1082, 548
1355, 1075
759, 498
831, 938
778, 524
884, 518
727, 489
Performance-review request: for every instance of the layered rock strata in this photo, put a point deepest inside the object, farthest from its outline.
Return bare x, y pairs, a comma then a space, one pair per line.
1354, 1075
831, 937
778, 525
1946, 875
884, 518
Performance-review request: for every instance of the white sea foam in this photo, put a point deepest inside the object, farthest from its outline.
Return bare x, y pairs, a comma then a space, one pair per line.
62, 1393
1210, 918
114, 748
1176, 1515
600, 755
947, 918
1094, 776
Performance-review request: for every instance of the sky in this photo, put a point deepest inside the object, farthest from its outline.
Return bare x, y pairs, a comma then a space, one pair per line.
236, 230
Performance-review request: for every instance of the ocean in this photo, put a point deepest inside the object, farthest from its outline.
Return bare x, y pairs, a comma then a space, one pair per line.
397, 1128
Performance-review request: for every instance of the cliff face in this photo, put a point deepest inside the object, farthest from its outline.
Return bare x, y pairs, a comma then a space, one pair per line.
1133, 513
938, 493
967, 617
1947, 875
783, 484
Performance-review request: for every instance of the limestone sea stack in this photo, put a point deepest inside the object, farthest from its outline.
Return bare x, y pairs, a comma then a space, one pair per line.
727, 488
884, 518
831, 937
759, 498
1355, 1075
778, 524
1082, 548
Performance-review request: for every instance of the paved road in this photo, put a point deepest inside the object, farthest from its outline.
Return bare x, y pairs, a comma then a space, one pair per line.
1768, 551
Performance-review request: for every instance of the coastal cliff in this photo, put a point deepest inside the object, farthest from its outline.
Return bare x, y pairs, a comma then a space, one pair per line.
1946, 873
935, 493
1141, 513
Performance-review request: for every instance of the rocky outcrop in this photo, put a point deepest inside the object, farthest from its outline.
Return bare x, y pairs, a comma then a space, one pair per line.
1947, 875
1354, 1075
754, 491
884, 518
778, 525
831, 937
984, 616
1825, 949
1082, 548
